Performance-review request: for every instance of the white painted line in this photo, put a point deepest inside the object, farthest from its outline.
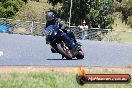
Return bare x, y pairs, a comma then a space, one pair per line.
1, 53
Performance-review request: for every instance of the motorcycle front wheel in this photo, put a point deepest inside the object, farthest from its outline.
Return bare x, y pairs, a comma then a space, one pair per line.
64, 50
80, 55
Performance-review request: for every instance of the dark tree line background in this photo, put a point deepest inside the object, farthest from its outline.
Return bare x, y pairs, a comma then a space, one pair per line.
8, 8
96, 13
125, 7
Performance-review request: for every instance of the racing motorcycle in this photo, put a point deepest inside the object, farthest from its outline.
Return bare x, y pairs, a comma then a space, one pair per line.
61, 43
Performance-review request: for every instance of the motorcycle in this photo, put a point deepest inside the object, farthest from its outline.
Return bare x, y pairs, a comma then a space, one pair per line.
61, 43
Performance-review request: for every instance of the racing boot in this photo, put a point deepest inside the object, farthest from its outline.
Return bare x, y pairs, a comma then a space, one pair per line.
53, 50
77, 45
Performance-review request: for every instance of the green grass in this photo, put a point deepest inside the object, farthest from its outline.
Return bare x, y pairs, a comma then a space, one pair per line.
48, 80
118, 24
120, 37
33, 11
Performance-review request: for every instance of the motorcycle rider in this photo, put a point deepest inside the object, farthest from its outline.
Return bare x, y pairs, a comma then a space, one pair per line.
51, 19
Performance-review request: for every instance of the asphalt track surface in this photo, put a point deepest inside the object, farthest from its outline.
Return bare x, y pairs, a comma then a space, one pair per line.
32, 51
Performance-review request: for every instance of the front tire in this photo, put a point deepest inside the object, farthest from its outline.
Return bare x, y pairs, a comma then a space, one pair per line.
64, 50
80, 55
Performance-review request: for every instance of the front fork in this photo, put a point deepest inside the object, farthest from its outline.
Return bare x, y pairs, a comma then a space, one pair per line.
66, 39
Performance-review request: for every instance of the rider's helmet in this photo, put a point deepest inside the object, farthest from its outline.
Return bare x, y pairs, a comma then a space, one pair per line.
50, 16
